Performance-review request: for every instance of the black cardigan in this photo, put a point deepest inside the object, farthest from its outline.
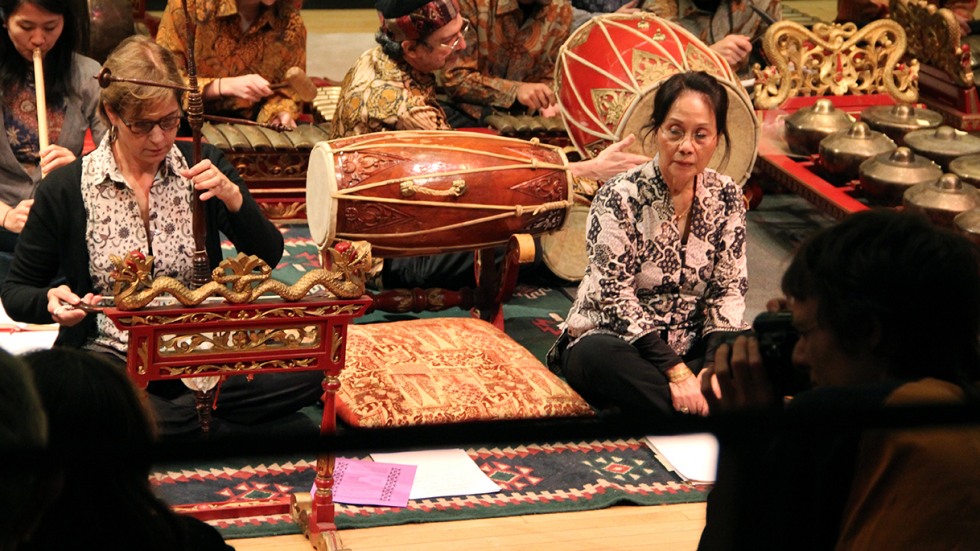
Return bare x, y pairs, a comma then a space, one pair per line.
53, 243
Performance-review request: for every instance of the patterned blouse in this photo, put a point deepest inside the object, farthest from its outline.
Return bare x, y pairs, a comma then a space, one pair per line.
114, 225
507, 50
269, 47
20, 123
379, 93
642, 278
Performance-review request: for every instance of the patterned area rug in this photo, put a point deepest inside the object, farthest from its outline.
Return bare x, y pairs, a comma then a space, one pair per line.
534, 479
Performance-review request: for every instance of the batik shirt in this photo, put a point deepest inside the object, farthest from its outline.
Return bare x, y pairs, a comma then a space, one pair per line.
379, 93
728, 18
865, 11
505, 51
643, 278
269, 47
114, 225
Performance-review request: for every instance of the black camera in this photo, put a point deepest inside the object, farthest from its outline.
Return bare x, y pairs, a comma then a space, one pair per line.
777, 337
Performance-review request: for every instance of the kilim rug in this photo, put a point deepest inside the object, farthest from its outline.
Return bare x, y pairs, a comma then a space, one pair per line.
534, 479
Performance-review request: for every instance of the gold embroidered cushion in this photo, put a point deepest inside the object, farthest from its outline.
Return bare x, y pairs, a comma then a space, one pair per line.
446, 370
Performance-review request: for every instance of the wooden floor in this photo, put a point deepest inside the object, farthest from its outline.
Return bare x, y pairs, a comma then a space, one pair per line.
622, 528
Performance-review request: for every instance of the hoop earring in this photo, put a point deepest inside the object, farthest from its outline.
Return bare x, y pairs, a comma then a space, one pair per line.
113, 134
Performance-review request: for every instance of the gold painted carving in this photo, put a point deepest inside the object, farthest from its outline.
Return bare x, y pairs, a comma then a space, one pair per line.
934, 38
239, 280
241, 315
238, 367
240, 340
611, 104
284, 211
835, 60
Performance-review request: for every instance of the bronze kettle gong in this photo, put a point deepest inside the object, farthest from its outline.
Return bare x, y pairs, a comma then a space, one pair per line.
942, 200
942, 144
842, 152
897, 120
807, 126
967, 168
886, 176
968, 224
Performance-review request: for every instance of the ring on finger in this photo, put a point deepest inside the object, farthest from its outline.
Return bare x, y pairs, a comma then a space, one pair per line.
684, 409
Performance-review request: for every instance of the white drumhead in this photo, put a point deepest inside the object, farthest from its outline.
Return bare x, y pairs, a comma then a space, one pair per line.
563, 251
321, 195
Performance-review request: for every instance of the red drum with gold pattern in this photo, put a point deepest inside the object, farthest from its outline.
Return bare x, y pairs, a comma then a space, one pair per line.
609, 70
424, 192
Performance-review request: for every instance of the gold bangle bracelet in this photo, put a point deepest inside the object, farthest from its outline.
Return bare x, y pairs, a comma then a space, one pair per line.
677, 377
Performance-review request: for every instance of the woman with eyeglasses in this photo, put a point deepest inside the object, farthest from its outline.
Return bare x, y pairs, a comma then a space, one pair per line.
135, 191
667, 274
241, 49
71, 96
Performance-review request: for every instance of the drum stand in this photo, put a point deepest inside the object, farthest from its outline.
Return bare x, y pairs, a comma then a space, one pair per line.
495, 285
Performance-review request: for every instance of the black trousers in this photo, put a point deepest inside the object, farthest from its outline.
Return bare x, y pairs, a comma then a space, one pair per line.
244, 408
610, 372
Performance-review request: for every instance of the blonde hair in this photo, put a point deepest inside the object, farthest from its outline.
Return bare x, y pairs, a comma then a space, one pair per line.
139, 57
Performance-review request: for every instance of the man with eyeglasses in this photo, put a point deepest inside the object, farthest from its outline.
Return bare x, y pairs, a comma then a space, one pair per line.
511, 65
392, 87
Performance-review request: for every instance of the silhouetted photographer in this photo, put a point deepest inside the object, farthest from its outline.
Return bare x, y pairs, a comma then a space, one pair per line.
886, 307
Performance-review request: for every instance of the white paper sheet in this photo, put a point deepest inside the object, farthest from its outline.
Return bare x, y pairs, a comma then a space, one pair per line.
442, 473
694, 457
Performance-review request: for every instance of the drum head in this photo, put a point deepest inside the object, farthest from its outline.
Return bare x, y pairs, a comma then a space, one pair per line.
743, 129
563, 251
321, 201
609, 70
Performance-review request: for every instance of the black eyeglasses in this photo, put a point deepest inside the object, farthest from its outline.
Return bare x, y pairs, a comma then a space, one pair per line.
143, 127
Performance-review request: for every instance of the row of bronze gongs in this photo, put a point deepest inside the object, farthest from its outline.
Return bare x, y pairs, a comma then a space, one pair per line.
899, 154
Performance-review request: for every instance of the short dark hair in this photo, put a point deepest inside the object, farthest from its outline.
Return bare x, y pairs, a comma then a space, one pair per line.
693, 81
915, 283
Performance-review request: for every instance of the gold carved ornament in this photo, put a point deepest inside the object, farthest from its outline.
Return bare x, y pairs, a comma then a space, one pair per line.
835, 60
241, 279
934, 38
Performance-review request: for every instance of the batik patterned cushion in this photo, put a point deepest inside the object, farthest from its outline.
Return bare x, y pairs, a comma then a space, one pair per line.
446, 370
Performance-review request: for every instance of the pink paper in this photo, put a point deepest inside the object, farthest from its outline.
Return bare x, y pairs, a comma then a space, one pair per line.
357, 482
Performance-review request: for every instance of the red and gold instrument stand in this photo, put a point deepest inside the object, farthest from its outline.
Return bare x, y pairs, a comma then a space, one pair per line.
261, 337
799, 175
959, 106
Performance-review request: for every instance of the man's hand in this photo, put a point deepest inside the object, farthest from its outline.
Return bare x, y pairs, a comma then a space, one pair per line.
735, 48
741, 380
535, 96
248, 87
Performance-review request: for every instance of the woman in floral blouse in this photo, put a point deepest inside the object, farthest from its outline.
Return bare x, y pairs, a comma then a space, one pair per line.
135, 191
667, 274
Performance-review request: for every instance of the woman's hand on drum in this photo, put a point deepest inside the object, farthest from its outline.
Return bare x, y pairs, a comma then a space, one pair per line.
685, 391
535, 95
610, 161
62, 305
15, 218
213, 183
55, 156
248, 87
735, 48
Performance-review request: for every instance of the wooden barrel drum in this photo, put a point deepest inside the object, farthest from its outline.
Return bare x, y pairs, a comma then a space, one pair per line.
421, 192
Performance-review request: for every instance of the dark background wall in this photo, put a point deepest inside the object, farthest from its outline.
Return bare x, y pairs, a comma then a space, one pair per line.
158, 5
